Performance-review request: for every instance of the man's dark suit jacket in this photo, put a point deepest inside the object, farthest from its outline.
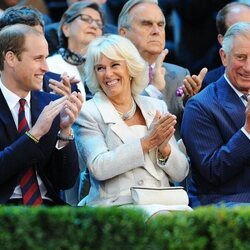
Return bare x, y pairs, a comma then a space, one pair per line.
218, 149
58, 169
213, 76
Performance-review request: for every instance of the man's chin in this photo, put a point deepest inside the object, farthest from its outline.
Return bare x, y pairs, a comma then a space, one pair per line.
38, 86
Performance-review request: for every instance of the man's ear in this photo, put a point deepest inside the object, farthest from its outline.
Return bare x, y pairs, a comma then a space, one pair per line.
10, 58
123, 31
220, 38
223, 57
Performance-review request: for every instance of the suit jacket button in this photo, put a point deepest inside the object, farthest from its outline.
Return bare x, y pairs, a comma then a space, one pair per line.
140, 182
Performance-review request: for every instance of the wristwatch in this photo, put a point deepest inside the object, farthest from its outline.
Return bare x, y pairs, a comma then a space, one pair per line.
163, 161
70, 137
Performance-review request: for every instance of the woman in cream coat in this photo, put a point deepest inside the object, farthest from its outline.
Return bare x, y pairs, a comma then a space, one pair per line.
124, 138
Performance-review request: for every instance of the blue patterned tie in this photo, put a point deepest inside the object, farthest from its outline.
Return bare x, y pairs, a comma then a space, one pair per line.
245, 97
28, 183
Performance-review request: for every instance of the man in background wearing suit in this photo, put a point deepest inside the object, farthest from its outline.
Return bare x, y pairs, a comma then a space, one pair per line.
216, 128
230, 14
37, 152
143, 22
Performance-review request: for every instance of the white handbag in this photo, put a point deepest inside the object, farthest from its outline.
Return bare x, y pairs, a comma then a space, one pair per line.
162, 196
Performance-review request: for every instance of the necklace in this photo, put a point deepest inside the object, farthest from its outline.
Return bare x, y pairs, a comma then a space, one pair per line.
128, 115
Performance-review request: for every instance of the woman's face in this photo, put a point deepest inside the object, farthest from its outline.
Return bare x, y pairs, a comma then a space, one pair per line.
113, 77
82, 30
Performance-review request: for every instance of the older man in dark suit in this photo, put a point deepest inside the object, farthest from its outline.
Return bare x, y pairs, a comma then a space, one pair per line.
216, 128
143, 22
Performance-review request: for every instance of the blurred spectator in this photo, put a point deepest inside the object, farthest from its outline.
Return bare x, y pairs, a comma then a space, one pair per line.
4, 4
81, 23
197, 46
114, 7
22, 15
51, 31
230, 14
38, 4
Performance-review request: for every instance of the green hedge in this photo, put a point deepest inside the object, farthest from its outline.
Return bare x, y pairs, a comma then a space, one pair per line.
120, 228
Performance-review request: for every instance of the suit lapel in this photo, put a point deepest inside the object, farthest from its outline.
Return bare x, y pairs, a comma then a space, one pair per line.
110, 115
231, 102
146, 109
7, 119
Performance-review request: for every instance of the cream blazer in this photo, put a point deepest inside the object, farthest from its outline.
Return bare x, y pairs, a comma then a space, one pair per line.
114, 155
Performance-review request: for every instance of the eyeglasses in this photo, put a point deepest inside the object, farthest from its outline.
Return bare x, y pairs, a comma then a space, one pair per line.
88, 19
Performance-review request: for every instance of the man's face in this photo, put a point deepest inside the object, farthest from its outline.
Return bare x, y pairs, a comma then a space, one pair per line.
237, 63
147, 30
238, 14
28, 72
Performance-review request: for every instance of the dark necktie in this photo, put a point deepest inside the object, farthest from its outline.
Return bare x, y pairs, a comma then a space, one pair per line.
245, 97
28, 183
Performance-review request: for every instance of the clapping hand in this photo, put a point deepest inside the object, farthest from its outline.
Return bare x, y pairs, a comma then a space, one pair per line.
68, 107
71, 110
64, 86
47, 116
159, 134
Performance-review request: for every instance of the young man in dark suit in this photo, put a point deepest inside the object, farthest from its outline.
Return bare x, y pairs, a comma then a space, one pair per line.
47, 147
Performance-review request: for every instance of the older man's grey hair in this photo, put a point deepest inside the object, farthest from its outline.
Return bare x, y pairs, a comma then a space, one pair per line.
116, 48
124, 19
237, 29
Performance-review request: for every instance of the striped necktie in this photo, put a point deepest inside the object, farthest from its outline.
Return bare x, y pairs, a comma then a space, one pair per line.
28, 183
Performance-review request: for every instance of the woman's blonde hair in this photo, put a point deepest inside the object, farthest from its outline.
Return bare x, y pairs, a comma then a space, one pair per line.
116, 48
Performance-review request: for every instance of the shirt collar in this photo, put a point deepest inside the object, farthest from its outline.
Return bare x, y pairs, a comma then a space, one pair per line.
235, 90
11, 98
